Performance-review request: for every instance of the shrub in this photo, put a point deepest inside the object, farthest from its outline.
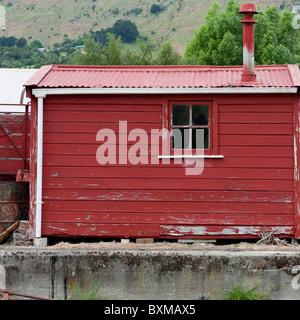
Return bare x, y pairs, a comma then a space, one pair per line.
155, 8
126, 29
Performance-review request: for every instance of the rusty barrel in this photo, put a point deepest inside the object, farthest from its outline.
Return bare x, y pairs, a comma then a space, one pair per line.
14, 202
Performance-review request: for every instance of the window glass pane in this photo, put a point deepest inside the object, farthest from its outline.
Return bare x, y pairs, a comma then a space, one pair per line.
200, 138
200, 115
180, 138
181, 115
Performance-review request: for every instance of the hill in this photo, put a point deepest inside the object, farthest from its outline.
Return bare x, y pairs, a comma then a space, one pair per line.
52, 21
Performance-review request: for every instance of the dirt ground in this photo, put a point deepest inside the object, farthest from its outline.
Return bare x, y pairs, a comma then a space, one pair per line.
167, 246
275, 244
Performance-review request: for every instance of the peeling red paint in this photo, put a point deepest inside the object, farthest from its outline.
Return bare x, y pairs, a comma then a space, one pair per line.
250, 191
248, 9
14, 140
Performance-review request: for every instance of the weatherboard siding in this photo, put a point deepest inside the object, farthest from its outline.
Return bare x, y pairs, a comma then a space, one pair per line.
249, 191
14, 132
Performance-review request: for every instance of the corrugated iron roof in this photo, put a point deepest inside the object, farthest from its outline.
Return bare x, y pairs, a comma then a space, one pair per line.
56, 76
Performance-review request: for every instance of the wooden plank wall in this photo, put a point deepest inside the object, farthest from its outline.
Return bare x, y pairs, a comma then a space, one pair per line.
248, 192
10, 159
256, 138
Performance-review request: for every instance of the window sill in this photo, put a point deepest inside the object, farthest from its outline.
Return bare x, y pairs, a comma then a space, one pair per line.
183, 156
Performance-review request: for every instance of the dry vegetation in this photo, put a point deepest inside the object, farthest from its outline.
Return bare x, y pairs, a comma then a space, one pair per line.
165, 246
50, 21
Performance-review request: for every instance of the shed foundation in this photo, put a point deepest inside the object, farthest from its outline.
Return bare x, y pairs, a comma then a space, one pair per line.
148, 275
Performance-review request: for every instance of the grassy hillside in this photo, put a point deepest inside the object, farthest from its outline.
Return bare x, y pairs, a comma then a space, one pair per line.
50, 21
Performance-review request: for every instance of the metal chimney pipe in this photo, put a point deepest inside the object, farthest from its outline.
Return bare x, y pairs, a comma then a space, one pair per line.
248, 9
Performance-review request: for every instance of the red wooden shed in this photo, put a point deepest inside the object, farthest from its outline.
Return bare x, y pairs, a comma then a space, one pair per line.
100, 166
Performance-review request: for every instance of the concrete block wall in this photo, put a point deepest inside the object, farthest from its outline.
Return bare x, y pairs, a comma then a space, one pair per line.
148, 275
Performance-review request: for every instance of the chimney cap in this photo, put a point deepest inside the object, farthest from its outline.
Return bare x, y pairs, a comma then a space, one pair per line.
248, 8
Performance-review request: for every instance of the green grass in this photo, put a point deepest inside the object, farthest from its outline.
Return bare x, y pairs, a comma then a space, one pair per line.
240, 292
91, 294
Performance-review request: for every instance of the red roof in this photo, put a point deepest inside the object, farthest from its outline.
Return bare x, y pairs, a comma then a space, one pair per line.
59, 76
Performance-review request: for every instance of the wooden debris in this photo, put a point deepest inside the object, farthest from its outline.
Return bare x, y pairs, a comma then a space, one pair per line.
144, 240
270, 239
5, 234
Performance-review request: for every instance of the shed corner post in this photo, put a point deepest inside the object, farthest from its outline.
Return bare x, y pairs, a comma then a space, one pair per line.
37, 167
32, 185
297, 164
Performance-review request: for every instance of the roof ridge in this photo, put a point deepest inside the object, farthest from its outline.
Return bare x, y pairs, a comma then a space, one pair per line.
131, 67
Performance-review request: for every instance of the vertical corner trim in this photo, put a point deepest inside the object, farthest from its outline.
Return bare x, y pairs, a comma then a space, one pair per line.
39, 173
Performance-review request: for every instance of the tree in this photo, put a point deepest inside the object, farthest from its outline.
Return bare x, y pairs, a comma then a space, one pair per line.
93, 54
112, 50
220, 40
112, 53
36, 44
143, 54
11, 41
277, 41
101, 35
126, 29
21, 43
167, 55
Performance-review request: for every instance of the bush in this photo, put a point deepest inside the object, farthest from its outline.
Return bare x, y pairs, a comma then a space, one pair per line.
126, 29
137, 11
155, 8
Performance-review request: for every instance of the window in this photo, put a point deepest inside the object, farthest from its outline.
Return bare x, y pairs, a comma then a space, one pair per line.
191, 125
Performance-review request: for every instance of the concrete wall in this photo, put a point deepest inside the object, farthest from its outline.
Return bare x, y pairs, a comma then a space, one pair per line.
148, 275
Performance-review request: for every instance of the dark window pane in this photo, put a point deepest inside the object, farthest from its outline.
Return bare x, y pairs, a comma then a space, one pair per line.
181, 115
200, 115
200, 138
180, 138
